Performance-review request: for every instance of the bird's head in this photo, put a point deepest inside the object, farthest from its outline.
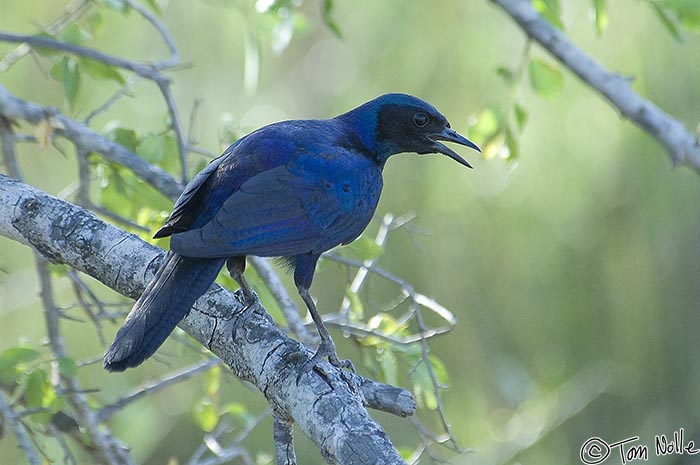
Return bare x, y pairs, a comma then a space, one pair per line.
396, 123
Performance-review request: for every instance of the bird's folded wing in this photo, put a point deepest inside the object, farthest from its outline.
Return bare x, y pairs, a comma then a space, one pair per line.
183, 212
275, 213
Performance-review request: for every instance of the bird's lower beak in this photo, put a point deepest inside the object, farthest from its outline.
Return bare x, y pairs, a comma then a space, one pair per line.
450, 135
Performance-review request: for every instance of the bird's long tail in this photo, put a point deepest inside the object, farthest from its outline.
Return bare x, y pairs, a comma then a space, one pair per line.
166, 301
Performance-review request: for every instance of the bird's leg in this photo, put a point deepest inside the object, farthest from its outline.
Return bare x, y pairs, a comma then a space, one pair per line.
236, 267
327, 346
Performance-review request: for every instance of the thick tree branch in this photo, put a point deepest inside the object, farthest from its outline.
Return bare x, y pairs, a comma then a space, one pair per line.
682, 145
326, 403
87, 140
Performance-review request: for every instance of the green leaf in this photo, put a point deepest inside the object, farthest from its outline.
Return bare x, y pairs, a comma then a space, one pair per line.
600, 14
520, 116
423, 387
389, 366
357, 310
512, 145
546, 79
73, 34
212, 381
238, 411
17, 355
70, 76
11, 362
95, 22
327, 14
205, 414
440, 370
101, 71
668, 22
365, 248
152, 148
687, 11
154, 6
36, 387
125, 137
507, 75
550, 10
487, 125
67, 367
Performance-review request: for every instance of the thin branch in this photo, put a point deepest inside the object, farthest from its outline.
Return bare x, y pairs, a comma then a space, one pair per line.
107, 449
224, 454
682, 145
148, 71
108, 411
162, 30
362, 272
15, 422
176, 126
72, 11
123, 91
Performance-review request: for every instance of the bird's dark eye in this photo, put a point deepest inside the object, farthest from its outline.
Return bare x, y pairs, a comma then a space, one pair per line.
420, 119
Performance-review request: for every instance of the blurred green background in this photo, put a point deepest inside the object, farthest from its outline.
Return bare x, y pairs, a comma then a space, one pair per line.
574, 270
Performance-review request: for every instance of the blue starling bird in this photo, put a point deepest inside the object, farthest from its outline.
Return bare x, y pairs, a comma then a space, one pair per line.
293, 189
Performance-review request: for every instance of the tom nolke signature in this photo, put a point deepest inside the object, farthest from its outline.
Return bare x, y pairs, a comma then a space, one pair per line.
595, 450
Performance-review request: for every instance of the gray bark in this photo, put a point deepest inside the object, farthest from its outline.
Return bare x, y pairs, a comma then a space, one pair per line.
327, 404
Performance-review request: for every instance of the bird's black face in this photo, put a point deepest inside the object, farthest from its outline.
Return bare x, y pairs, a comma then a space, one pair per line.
418, 128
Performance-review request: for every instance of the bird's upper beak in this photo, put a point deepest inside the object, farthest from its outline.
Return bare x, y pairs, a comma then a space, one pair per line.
450, 135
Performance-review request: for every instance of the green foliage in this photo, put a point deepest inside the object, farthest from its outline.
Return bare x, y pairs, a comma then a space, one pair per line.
550, 10
546, 78
208, 410
600, 15
327, 14
23, 372
101, 71
13, 362
205, 414
66, 71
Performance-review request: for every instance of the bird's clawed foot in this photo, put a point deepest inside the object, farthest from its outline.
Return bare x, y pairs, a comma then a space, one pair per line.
325, 349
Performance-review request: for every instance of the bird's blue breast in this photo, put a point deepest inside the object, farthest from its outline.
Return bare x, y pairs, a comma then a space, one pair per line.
351, 177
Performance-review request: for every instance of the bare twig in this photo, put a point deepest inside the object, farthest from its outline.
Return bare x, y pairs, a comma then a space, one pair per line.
176, 126
224, 454
148, 71
12, 420
162, 30
359, 281
107, 449
122, 92
149, 388
682, 145
73, 11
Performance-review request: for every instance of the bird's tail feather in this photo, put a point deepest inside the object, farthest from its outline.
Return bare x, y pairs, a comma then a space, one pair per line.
166, 301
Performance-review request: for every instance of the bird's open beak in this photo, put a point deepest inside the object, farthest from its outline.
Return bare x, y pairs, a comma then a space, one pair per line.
450, 135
